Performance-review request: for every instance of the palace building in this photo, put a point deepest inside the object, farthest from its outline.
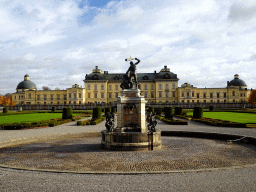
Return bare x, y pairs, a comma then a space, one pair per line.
104, 87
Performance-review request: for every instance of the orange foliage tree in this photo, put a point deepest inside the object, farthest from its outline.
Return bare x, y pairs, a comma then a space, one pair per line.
6, 101
252, 97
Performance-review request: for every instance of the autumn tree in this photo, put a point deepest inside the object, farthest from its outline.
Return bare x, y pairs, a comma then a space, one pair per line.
252, 97
6, 100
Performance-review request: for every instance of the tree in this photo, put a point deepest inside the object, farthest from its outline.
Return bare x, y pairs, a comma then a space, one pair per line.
252, 97
6, 101
45, 88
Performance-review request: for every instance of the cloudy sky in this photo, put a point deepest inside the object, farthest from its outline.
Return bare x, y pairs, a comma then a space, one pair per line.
204, 42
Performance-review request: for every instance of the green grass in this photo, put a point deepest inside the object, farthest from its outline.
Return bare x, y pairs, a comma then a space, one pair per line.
230, 116
29, 118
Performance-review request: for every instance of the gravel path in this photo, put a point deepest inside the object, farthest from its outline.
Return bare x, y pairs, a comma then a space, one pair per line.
225, 180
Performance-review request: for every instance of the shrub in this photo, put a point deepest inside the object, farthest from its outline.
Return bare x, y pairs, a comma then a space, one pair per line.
79, 123
178, 110
151, 109
96, 113
168, 112
103, 110
53, 109
67, 113
198, 112
158, 110
5, 110
113, 109
107, 109
211, 108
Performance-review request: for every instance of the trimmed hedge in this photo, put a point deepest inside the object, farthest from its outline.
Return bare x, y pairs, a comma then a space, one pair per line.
178, 110
96, 113
211, 108
5, 110
151, 109
198, 113
158, 110
168, 112
91, 121
113, 109
171, 121
45, 123
53, 109
67, 113
107, 109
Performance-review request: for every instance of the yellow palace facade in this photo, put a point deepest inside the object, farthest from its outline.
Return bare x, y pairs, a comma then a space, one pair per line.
157, 87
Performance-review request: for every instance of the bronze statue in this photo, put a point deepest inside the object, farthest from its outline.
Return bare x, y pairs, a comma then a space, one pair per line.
132, 71
151, 119
110, 122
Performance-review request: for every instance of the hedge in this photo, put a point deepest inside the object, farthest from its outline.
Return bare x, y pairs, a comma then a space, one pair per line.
168, 112
198, 112
211, 108
67, 113
178, 110
96, 113
107, 109
5, 110
158, 110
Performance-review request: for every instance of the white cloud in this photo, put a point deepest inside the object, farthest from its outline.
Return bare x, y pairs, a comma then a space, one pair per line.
204, 42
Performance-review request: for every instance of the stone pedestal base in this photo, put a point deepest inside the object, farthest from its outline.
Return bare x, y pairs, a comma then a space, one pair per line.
131, 141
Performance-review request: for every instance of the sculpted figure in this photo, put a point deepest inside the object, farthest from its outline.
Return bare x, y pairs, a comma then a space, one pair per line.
110, 122
151, 119
132, 71
127, 83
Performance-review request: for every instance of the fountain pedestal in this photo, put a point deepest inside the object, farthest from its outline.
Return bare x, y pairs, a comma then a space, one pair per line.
131, 132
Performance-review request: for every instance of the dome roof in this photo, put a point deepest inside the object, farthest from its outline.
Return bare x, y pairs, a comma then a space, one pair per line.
26, 84
236, 82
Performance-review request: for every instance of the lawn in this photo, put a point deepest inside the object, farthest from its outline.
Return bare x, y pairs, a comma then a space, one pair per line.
29, 118
231, 116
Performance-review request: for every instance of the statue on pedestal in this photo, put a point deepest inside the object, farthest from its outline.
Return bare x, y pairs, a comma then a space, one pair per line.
110, 118
151, 119
131, 72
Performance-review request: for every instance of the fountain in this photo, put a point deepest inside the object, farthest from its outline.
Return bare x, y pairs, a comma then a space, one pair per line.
131, 132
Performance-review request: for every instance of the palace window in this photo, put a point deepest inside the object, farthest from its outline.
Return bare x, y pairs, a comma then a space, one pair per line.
75, 95
116, 86
109, 95
38, 97
29, 95
95, 95
152, 95
80, 95
173, 86
116, 95
160, 86
218, 95
44, 97
44, 103
152, 87
102, 87
65, 96
58, 103
225, 95
58, 97
19, 96
233, 93
160, 94
69, 95
173, 94
95, 87
187, 94
197, 95
166, 94
182, 94
80, 102
193, 94
146, 95
51, 97
145, 87
74, 102
89, 87
166, 86
204, 95
109, 87
211, 101
210, 95
192, 101
102, 95
204, 101
89, 95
